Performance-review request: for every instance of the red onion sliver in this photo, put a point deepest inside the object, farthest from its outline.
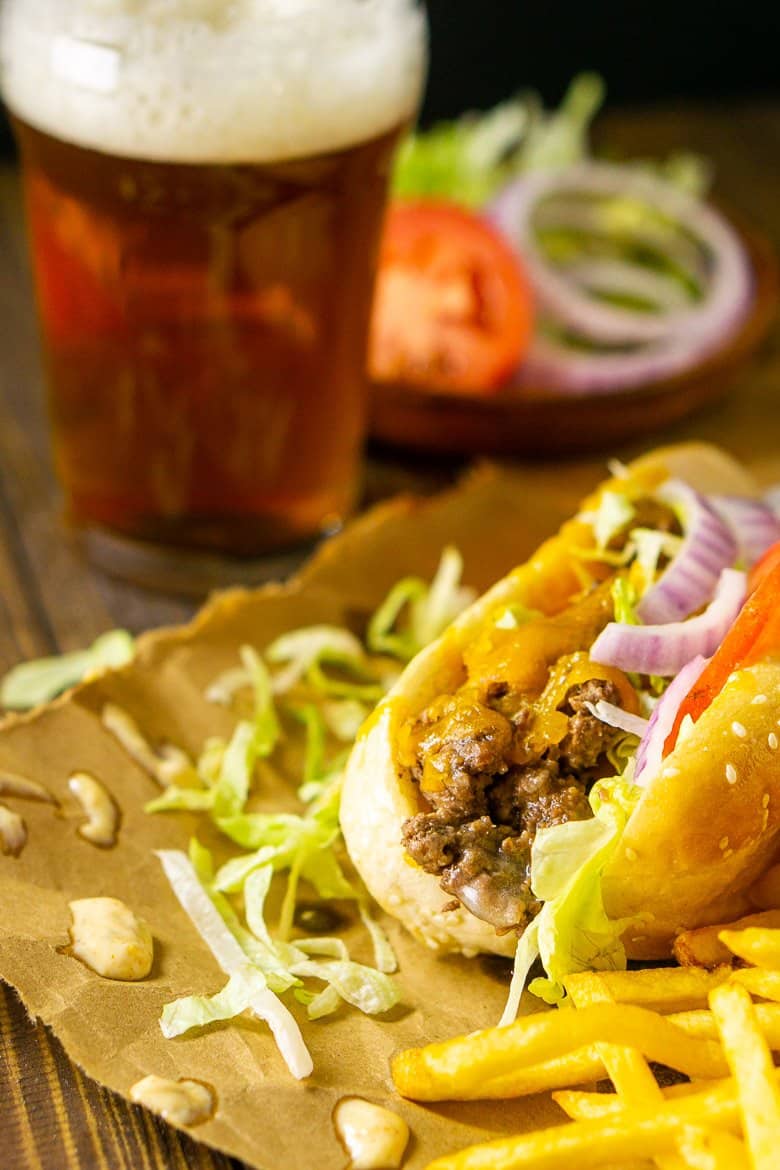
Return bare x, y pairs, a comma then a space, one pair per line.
753, 522
665, 649
554, 365
615, 716
729, 279
664, 293
708, 548
650, 752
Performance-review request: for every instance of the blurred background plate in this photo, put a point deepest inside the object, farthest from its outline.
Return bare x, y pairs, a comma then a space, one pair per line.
541, 421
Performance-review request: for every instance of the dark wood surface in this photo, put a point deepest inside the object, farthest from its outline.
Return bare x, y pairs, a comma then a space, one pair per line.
50, 601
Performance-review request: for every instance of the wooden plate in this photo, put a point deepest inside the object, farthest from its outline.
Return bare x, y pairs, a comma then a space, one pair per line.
541, 421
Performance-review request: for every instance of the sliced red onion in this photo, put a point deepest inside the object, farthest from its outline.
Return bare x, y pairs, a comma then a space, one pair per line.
615, 716
650, 752
753, 523
575, 214
690, 579
729, 282
551, 364
662, 293
665, 649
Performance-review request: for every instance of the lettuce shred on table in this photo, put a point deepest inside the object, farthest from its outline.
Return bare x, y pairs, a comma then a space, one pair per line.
31, 683
324, 680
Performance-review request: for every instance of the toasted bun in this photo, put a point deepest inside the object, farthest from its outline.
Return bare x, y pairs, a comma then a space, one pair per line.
694, 842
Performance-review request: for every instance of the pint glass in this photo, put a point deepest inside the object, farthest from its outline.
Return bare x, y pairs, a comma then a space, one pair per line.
205, 182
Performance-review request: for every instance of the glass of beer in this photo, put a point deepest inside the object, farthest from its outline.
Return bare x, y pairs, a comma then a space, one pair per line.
204, 183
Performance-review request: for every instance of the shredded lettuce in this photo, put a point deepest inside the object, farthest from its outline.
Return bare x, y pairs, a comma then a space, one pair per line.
649, 545
344, 717
302, 649
384, 956
470, 159
265, 723
265, 965
227, 769
624, 601
689, 172
559, 139
225, 686
622, 753
32, 683
614, 512
572, 931
230, 793
195, 900
427, 609
525, 956
515, 616
625, 598
567, 863
465, 160
335, 681
175, 799
196, 1011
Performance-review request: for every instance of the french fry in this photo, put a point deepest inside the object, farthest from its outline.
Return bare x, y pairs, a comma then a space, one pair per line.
712, 1150
580, 1067
588, 1145
466, 1063
702, 1024
583, 1067
751, 1062
756, 944
765, 893
705, 948
765, 984
665, 989
583, 1106
627, 1068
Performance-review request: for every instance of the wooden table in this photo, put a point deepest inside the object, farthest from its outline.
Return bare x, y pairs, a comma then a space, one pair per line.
51, 601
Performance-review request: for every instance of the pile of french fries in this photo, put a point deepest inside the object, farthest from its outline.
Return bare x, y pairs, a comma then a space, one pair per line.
715, 1019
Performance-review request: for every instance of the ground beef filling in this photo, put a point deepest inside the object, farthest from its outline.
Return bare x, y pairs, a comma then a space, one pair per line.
484, 816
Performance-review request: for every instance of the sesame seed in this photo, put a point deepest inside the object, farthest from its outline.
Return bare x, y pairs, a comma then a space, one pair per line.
759, 699
723, 843
739, 729
772, 741
631, 854
765, 800
727, 853
731, 773
671, 772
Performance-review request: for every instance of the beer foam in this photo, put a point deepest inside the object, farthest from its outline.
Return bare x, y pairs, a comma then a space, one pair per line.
213, 80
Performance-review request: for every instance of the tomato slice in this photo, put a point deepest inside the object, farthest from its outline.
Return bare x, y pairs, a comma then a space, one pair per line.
754, 635
764, 566
453, 310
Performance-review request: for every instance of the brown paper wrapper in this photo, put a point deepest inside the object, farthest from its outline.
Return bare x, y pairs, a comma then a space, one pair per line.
111, 1029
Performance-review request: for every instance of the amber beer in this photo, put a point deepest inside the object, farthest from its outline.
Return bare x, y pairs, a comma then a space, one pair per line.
204, 290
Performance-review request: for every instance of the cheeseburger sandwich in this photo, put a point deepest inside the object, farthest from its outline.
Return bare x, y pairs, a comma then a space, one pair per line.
586, 762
